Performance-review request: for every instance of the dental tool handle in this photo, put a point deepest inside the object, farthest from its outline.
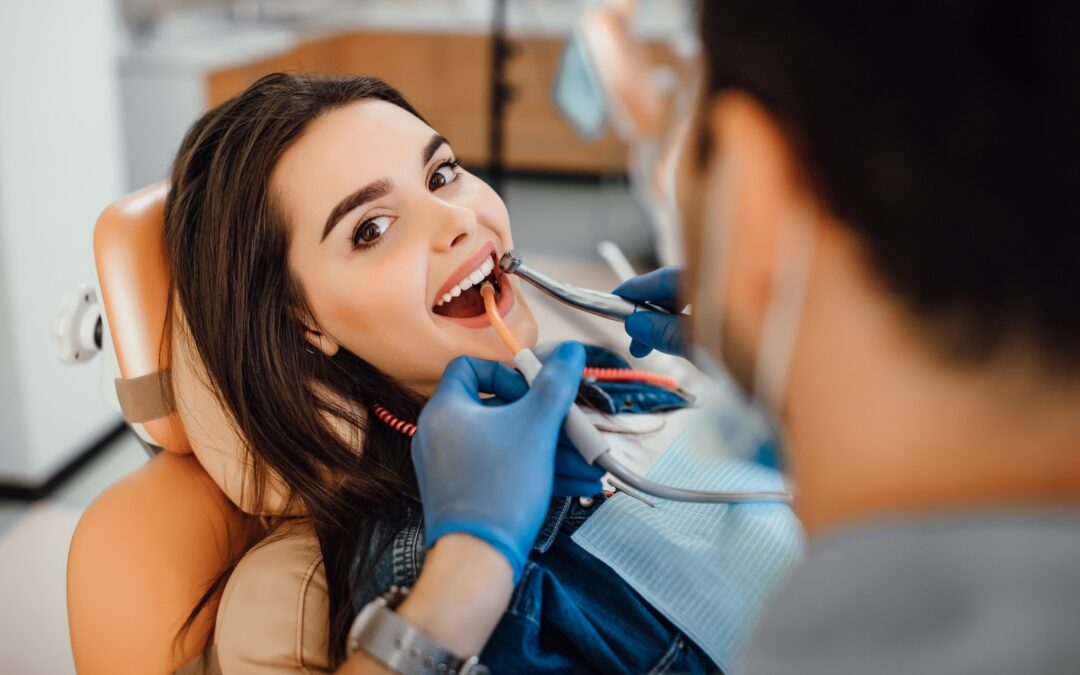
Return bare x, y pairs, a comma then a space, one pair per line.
585, 437
676, 494
607, 305
594, 449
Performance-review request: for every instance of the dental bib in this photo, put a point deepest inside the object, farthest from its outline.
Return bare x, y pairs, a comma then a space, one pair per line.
708, 568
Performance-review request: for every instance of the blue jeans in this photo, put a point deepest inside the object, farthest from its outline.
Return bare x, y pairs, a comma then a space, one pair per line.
570, 613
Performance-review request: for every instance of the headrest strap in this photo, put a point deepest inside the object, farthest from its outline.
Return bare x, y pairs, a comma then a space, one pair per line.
147, 397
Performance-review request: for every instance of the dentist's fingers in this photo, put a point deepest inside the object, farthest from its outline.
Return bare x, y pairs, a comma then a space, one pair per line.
660, 287
460, 379
655, 330
574, 477
639, 349
570, 464
501, 380
556, 386
461, 443
470, 377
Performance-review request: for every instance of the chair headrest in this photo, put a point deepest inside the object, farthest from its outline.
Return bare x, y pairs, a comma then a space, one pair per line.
129, 252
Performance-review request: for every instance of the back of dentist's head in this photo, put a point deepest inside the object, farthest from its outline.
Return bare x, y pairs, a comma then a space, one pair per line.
945, 135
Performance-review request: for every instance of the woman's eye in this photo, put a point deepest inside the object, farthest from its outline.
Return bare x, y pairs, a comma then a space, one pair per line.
370, 230
444, 175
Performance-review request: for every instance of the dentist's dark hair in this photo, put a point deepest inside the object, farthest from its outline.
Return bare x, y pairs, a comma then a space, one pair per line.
244, 315
946, 136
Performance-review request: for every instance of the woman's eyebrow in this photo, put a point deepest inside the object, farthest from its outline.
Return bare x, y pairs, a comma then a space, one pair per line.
376, 189
436, 142
369, 192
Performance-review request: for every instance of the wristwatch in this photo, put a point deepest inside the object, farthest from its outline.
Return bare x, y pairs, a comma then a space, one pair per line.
402, 647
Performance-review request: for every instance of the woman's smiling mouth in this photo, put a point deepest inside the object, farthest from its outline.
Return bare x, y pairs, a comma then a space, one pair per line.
459, 298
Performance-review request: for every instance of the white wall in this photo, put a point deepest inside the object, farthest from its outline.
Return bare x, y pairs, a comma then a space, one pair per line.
60, 165
158, 107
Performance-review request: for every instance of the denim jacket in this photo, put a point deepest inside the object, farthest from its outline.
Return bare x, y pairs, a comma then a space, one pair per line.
569, 612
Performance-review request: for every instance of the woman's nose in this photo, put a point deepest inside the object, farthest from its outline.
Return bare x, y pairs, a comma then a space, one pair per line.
456, 223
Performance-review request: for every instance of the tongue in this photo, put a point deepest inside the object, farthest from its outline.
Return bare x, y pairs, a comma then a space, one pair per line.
467, 305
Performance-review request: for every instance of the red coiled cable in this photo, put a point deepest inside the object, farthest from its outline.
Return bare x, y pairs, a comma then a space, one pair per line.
397, 424
598, 374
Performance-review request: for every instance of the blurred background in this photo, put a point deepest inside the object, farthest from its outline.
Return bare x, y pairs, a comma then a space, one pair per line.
96, 95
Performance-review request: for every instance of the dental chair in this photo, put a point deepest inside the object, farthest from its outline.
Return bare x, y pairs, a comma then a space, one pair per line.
148, 547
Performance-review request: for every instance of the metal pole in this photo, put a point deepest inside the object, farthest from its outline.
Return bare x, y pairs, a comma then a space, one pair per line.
500, 94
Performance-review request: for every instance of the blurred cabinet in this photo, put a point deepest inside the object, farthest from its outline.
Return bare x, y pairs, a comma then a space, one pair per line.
444, 76
537, 136
447, 77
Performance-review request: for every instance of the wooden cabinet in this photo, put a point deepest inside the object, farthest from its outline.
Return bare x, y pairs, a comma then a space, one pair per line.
447, 77
537, 136
314, 56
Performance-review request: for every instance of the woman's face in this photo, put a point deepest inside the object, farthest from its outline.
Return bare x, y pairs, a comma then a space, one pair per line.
384, 227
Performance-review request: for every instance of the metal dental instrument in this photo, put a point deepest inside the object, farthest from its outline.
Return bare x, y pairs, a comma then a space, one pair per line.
588, 440
606, 305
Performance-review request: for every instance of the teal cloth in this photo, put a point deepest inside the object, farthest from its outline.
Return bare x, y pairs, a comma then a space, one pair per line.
708, 568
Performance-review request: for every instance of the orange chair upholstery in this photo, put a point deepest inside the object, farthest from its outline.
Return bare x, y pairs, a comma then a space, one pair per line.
147, 547
130, 256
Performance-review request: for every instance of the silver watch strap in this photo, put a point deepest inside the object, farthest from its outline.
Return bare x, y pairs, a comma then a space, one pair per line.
404, 648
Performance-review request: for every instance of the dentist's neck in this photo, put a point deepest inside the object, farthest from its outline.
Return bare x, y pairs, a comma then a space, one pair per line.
881, 424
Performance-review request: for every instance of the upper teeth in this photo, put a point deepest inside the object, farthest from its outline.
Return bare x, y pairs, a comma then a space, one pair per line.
469, 281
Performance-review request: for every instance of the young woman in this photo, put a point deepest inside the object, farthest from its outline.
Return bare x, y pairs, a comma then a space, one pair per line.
326, 251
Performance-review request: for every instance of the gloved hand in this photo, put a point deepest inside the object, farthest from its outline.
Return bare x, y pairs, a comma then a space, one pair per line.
574, 477
655, 330
485, 470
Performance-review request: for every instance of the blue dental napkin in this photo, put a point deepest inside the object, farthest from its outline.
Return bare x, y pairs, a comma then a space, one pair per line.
707, 567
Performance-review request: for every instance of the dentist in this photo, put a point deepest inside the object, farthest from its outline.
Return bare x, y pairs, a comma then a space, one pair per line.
883, 239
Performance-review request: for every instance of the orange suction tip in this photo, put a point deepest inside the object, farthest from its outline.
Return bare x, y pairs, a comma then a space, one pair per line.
508, 339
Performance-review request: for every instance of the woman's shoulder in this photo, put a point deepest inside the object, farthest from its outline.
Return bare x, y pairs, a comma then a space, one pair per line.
274, 613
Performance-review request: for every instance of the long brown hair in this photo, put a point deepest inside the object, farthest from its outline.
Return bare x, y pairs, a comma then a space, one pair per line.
227, 244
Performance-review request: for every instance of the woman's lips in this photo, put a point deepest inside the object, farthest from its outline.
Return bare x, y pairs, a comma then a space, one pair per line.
478, 258
505, 300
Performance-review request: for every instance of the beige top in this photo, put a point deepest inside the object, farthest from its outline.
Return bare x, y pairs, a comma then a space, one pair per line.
274, 612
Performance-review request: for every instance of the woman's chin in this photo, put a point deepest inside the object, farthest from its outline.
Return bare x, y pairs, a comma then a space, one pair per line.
488, 345
524, 325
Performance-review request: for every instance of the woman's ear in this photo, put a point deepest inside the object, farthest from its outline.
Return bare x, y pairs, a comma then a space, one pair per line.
321, 341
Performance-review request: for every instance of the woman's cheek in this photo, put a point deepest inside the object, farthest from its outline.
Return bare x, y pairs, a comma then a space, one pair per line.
490, 210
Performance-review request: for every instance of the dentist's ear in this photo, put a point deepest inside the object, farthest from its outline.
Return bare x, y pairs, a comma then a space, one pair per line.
321, 341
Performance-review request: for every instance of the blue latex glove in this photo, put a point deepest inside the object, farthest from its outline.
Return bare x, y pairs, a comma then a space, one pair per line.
574, 477
655, 330
485, 470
